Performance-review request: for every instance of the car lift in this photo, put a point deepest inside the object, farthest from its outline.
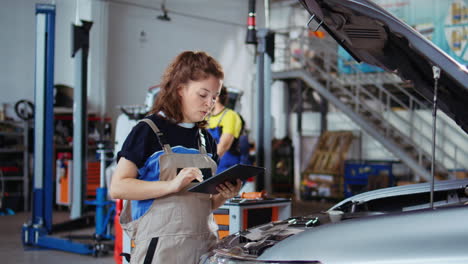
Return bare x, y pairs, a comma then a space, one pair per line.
37, 232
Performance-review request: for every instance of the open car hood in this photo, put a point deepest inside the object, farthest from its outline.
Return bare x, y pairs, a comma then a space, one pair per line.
359, 229
373, 35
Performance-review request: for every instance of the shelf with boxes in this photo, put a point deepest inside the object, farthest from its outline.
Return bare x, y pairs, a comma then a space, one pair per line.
14, 164
98, 131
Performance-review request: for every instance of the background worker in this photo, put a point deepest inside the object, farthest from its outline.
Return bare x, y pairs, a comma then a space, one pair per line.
161, 157
225, 125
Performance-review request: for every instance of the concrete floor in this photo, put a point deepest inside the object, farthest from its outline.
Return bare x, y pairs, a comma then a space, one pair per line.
12, 250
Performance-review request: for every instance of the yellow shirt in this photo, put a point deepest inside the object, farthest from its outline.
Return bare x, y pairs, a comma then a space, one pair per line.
230, 123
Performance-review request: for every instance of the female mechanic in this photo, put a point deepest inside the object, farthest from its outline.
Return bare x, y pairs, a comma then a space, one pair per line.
162, 156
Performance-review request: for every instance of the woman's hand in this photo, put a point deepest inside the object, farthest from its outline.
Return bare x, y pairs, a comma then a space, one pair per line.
184, 178
228, 190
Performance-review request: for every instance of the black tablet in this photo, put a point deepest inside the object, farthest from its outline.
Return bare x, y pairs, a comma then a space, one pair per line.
238, 171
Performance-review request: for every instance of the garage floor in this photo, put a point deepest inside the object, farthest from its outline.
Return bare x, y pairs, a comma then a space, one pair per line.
12, 251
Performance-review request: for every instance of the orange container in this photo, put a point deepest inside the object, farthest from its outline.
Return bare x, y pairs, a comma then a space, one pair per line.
254, 195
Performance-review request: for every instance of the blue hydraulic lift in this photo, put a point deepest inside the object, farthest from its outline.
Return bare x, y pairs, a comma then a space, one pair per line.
37, 232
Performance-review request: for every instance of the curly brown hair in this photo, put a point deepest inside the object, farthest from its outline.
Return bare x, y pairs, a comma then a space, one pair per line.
187, 66
223, 95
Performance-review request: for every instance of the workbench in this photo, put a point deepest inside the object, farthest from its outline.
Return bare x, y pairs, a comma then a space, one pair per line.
239, 214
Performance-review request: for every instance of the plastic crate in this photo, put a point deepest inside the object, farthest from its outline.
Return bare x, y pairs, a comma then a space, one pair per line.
356, 175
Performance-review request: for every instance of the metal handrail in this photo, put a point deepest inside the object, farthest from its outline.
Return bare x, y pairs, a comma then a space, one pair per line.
408, 140
387, 126
423, 121
313, 82
333, 55
408, 107
387, 108
418, 102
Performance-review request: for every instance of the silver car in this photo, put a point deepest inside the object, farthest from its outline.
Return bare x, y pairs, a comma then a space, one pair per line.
391, 225
386, 226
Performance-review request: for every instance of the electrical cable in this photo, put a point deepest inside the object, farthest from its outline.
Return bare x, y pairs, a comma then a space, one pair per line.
179, 13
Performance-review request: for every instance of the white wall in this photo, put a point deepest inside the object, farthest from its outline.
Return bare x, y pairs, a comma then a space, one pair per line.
141, 46
123, 63
18, 24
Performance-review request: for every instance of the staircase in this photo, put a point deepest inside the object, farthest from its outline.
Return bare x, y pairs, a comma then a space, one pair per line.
380, 103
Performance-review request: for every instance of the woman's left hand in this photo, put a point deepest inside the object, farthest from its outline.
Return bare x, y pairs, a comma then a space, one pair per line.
228, 190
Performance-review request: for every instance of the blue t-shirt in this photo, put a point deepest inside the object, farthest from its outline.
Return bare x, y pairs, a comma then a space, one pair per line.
143, 148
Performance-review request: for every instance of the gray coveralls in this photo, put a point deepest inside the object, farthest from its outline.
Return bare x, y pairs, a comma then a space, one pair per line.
178, 228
